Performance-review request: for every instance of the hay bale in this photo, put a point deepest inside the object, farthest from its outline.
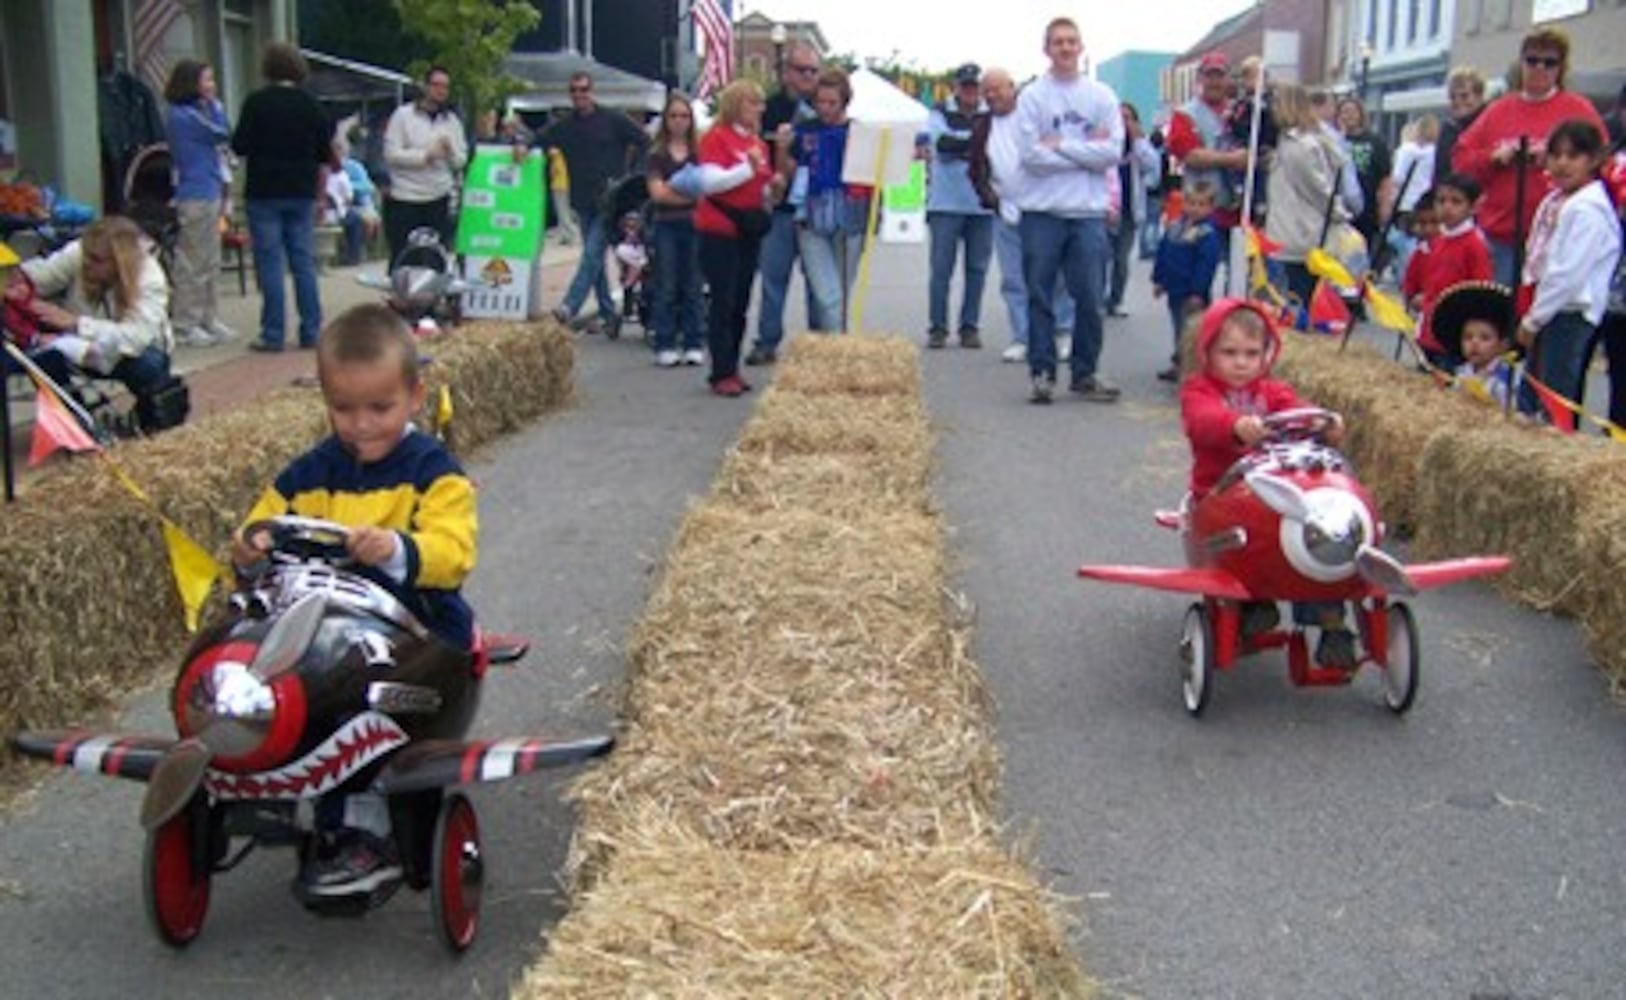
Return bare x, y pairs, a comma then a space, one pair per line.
850, 365
795, 423
690, 921
89, 603
838, 485
1601, 535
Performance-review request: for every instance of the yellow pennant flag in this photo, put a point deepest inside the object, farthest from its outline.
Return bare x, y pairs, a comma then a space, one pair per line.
1324, 265
195, 571
443, 410
1388, 313
1476, 390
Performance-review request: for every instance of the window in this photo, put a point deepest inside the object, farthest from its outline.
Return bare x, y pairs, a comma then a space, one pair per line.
1371, 20
1390, 28
1433, 19
1414, 20
1498, 13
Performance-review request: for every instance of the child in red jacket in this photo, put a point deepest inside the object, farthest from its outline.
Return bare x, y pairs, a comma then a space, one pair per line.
1458, 254
1223, 407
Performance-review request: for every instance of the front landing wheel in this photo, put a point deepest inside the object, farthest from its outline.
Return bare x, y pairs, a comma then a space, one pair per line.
458, 873
176, 869
1197, 658
1401, 667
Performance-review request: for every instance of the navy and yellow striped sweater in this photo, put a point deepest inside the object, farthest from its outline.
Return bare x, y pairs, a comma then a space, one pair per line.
419, 491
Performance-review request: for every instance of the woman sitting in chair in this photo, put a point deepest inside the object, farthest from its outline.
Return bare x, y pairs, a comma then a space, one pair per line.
113, 320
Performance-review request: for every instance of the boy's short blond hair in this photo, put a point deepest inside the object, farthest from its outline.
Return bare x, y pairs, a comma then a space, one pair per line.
368, 334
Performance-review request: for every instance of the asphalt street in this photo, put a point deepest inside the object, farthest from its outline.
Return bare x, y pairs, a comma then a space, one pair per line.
1289, 844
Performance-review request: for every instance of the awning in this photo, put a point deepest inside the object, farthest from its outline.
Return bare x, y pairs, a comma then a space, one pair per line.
548, 76
345, 81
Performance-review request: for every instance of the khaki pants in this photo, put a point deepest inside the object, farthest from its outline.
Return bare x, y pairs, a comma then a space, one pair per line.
197, 264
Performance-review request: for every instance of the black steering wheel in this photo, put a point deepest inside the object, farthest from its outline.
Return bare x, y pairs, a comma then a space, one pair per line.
303, 539
1305, 423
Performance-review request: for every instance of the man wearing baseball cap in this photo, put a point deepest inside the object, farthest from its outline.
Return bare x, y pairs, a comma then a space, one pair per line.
1200, 138
954, 213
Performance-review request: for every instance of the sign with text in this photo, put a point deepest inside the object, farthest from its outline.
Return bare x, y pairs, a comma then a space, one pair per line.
499, 232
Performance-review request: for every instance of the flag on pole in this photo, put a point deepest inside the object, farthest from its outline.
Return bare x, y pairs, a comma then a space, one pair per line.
55, 427
1327, 309
714, 26
151, 23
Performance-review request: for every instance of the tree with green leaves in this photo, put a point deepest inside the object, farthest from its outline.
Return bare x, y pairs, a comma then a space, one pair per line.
470, 38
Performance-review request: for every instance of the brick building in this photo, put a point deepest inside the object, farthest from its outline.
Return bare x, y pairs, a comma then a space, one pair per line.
755, 52
1288, 34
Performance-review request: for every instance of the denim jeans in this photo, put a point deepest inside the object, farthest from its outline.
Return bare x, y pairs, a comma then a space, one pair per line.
141, 374
1560, 357
590, 272
282, 227
1151, 227
779, 253
1014, 288
830, 268
1052, 246
730, 265
1502, 263
678, 294
948, 230
1123, 243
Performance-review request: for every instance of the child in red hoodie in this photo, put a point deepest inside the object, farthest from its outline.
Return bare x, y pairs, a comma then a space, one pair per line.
1223, 407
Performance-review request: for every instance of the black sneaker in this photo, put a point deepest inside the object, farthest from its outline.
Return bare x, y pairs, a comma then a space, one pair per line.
1094, 388
1169, 374
758, 356
936, 338
612, 326
970, 338
1335, 649
362, 864
1259, 617
1044, 388
561, 315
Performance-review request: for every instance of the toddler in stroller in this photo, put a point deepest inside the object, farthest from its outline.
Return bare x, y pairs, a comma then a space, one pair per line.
112, 323
632, 256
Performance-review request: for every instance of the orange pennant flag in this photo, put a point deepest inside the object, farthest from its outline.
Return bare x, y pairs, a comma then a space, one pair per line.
55, 427
1559, 410
1258, 245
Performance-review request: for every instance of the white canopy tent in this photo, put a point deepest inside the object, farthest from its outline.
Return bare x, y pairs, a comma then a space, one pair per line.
875, 99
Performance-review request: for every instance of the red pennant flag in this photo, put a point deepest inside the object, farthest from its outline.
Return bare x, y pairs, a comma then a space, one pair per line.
55, 427
1559, 410
1327, 309
1259, 244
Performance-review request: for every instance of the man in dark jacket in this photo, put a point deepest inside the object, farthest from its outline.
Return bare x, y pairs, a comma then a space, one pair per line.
598, 145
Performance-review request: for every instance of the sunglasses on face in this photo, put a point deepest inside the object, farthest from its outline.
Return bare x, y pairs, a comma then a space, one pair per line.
581, 90
805, 70
1545, 62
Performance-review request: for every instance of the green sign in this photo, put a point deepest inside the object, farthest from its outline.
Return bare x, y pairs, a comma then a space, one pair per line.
503, 205
909, 196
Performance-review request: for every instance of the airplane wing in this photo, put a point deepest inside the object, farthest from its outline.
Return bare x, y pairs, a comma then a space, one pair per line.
439, 763
1426, 576
116, 754
1207, 582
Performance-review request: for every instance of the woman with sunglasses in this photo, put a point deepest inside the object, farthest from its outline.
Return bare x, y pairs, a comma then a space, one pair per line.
1489, 150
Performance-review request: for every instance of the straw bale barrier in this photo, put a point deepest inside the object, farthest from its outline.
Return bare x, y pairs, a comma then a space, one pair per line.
834, 921
87, 603
803, 800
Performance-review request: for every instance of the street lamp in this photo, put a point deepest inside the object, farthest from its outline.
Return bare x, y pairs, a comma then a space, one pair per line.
777, 36
1366, 66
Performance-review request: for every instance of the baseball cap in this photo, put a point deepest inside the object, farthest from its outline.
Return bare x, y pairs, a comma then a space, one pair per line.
969, 73
1213, 60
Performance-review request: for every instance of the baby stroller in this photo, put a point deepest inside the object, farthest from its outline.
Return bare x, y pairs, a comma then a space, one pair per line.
149, 193
422, 285
626, 202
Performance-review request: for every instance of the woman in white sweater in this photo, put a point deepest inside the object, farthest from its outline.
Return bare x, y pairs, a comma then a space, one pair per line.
102, 305
1302, 180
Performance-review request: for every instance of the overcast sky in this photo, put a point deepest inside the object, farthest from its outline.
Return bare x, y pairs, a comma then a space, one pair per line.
941, 34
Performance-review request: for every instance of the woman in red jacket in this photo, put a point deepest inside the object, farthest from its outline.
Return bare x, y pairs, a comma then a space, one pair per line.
731, 221
1489, 150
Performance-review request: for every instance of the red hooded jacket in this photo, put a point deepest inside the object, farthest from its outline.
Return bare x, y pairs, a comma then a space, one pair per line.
1209, 408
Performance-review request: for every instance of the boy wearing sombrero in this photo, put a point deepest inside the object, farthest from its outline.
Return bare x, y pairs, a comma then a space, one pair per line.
1474, 321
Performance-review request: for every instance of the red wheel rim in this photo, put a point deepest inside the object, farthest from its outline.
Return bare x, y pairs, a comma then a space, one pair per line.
179, 899
460, 874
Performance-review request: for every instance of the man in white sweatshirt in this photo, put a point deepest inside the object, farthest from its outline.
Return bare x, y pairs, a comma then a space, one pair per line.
1071, 135
424, 148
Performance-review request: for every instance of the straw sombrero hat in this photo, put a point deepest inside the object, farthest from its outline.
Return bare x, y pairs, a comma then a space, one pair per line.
1484, 300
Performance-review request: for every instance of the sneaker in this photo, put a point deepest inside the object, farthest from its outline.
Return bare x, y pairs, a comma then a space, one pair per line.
361, 864
694, 356
264, 347
970, 338
936, 338
1064, 346
561, 315
1336, 648
1015, 354
195, 336
1117, 312
758, 356
1169, 374
1044, 388
1094, 388
729, 385
668, 359
612, 326
1259, 617
222, 332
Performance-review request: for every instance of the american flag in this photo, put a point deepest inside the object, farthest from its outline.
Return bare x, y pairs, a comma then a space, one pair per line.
152, 21
714, 23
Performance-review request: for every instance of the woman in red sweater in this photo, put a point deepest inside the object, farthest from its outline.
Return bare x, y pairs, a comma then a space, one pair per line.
1489, 150
731, 221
